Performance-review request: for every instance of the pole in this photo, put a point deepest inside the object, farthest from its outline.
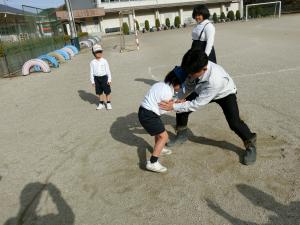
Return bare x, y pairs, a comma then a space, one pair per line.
74, 37
135, 31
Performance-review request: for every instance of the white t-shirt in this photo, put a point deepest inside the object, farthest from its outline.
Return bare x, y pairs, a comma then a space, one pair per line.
208, 34
99, 68
214, 84
157, 93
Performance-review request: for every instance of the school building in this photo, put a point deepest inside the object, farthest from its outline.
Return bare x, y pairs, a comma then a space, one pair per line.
105, 18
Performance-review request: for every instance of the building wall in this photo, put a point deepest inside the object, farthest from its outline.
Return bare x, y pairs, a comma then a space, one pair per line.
83, 4
91, 25
111, 22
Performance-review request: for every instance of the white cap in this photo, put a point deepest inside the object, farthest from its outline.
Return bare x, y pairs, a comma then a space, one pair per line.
97, 48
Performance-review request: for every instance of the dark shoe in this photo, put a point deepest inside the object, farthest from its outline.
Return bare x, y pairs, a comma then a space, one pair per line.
180, 138
250, 155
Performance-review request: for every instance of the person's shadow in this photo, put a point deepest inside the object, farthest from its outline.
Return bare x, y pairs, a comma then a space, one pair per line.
285, 214
126, 129
220, 144
146, 81
31, 198
88, 97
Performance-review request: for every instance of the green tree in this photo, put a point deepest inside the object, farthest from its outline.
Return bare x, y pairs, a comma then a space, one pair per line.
230, 15
222, 17
215, 18
177, 21
125, 28
147, 26
252, 13
137, 25
237, 15
258, 11
168, 24
157, 23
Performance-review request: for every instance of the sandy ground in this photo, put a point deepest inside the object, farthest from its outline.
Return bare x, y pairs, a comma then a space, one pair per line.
64, 163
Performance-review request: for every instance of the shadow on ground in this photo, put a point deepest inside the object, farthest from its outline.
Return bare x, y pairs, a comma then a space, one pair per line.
282, 214
146, 81
30, 200
127, 128
88, 97
220, 144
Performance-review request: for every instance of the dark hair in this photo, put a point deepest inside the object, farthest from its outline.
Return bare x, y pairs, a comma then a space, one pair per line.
172, 79
194, 60
201, 10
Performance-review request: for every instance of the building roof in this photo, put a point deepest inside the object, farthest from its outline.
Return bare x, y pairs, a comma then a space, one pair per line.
81, 13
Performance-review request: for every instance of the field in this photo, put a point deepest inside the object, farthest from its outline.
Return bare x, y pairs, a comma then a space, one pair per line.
64, 163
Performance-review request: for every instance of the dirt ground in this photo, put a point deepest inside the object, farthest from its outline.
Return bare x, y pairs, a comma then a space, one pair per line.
64, 163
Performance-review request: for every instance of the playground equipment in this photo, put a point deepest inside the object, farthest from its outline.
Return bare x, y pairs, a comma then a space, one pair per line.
35, 62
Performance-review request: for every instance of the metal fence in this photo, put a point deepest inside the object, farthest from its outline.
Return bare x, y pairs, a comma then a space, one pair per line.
27, 35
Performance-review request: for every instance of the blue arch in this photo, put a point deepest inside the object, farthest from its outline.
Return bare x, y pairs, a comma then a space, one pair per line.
74, 49
63, 53
49, 58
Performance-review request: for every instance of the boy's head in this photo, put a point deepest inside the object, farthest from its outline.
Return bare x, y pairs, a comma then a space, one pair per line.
176, 77
97, 51
194, 62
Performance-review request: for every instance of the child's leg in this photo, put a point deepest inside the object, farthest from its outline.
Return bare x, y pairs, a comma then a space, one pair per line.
102, 98
160, 142
108, 98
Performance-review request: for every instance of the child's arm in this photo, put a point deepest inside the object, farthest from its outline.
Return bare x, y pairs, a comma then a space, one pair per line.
108, 72
92, 74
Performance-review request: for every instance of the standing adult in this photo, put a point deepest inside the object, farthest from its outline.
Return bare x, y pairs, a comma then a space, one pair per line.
209, 82
203, 34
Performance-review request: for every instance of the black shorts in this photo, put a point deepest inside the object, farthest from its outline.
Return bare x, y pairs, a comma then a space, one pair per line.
151, 122
101, 85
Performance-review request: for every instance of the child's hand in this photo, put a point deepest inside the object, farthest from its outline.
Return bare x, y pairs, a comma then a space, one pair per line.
109, 83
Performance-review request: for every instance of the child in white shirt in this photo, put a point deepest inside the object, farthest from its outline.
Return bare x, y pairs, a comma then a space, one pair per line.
149, 114
100, 77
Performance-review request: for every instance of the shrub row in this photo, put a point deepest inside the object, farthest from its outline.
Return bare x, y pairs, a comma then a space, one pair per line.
177, 23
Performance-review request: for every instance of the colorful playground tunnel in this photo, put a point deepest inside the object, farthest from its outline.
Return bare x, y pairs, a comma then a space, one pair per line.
55, 58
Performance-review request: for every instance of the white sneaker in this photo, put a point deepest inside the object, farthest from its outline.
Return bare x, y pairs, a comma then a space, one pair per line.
156, 167
166, 151
100, 106
108, 106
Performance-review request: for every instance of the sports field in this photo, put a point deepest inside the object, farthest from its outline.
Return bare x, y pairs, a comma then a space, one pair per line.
64, 163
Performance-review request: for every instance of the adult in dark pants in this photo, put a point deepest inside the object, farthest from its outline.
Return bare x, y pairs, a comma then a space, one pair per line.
209, 82
203, 34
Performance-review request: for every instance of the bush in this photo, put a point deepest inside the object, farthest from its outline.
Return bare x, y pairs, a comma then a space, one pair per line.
83, 34
67, 38
157, 23
252, 12
237, 15
137, 26
168, 24
230, 15
258, 11
147, 26
215, 18
125, 28
1, 50
177, 21
222, 17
